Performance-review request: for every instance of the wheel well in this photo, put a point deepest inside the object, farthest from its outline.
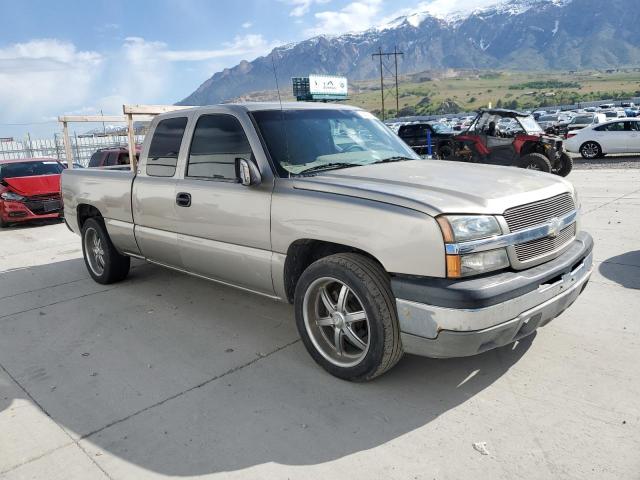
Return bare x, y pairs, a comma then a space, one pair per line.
304, 252
531, 147
85, 212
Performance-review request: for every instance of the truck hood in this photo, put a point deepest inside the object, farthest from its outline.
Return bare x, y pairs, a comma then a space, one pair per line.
435, 187
36, 185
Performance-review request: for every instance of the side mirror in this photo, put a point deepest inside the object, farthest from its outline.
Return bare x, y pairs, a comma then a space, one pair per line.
247, 172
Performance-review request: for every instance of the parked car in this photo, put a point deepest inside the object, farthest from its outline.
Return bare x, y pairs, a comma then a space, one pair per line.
631, 112
548, 122
607, 106
415, 135
111, 157
380, 251
618, 136
529, 147
29, 190
627, 105
581, 121
611, 114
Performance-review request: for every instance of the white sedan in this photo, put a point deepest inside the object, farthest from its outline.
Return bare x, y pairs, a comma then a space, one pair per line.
616, 136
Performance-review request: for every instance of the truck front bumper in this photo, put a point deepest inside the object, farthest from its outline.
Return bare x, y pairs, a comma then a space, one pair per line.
445, 318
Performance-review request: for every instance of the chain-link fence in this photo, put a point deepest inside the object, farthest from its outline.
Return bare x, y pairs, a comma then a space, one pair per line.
81, 147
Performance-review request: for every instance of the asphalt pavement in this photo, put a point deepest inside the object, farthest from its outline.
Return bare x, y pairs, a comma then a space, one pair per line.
166, 375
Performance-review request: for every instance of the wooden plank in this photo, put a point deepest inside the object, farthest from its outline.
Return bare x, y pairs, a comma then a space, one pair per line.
92, 118
151, 109
67, 145
131, 137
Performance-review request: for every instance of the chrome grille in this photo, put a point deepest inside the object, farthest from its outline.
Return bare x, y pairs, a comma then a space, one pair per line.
536, 213
543, 246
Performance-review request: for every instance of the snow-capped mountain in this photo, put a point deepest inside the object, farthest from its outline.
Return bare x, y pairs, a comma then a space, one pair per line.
518, 34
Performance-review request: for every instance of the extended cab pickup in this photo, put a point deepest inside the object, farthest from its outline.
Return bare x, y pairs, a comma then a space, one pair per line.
324, 207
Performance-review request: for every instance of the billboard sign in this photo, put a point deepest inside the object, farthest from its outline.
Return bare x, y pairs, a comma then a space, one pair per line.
327, 85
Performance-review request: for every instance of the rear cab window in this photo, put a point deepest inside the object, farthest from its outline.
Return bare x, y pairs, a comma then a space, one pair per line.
165, 147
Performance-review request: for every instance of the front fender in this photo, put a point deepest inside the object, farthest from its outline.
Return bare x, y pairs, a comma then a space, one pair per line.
403, 240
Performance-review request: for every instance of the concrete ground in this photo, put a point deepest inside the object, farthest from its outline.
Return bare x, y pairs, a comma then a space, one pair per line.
168, 375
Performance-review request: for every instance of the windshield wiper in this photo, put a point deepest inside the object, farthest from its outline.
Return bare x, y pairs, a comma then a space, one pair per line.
329, 166
391, 159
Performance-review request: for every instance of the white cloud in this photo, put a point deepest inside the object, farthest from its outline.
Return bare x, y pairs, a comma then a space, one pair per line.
247, 25
355, 16
302, 7
44, 76
41, 79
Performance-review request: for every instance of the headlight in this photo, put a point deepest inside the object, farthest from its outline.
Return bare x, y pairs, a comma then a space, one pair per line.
12, 197
476, 263
462, 228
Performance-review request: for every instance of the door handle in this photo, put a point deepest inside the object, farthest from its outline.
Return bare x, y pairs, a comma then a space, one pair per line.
183, 199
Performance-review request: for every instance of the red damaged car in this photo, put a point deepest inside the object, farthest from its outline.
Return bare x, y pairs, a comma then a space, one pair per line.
29, 190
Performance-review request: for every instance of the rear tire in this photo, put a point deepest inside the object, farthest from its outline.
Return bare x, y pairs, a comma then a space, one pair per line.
591, 150
104, 263
3, 224
340, 296
536, 161
566, 165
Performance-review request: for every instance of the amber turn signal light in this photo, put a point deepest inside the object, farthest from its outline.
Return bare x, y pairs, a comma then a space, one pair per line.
454, 266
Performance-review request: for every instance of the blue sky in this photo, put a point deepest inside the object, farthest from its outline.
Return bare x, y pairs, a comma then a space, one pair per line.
80, 57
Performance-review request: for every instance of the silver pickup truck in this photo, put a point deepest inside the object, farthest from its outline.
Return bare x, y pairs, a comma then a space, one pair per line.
324, 207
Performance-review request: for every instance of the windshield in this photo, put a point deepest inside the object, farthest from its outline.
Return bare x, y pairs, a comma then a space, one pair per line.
530, 125
29, 169
306, 140
441, 128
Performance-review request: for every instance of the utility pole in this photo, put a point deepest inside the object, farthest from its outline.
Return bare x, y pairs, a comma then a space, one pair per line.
395, 54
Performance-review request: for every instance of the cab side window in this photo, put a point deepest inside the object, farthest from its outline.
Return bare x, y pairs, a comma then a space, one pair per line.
611, 127
218, 140
165, 147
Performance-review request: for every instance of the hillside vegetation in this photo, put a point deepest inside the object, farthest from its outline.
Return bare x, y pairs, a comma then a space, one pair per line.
453, 91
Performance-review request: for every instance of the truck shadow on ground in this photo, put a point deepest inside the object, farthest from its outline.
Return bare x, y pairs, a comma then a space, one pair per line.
194, 378
623, 269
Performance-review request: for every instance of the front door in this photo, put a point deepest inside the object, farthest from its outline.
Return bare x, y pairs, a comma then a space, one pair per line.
224, 226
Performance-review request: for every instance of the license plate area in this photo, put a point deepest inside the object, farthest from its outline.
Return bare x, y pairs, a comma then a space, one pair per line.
51, 206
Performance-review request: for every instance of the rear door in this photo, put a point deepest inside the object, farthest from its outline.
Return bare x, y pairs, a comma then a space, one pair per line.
154, 193
225, 226
634, 136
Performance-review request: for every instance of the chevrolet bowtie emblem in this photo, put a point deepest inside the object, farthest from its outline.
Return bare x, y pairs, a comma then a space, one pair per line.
554, 227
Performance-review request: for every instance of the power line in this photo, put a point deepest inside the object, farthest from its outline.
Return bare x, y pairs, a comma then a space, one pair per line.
380, 56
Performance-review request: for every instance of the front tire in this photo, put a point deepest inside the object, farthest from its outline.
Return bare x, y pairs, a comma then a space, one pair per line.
445, 152
566, 165
591, 150
104, 263
536, 161
346, 316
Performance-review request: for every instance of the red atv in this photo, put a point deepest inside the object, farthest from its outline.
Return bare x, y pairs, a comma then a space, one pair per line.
507, 137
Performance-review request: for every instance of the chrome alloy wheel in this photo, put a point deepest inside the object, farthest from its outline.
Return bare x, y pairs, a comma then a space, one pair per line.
94, 251
590, 150
336, 322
